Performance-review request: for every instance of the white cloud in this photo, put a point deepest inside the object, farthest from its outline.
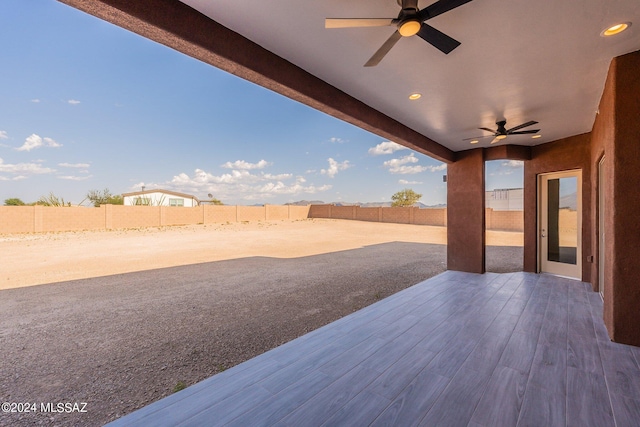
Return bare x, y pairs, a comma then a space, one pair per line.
73, 102
405, 182
386, 147
49, 142
237, 184
35, 101
276, 188
400, 166
335, 167
15, 178
3, 134
241, 164
35, 141
278, 177
24, 168
513, 164
337, 140
437, 168
74, 178
75, 165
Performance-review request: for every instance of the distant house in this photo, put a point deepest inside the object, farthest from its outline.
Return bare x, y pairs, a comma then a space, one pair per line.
159, 197
505, 199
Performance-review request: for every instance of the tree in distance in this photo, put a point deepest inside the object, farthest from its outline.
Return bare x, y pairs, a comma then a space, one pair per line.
104, 197
406, 197
14, 201
213, 201
52, 200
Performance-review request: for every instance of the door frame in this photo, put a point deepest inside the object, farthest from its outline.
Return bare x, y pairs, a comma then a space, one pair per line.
601, 226
559, 269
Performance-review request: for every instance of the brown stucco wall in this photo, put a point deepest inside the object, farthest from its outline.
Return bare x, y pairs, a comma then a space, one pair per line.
465, 212
602, 137
565, 154
622, 223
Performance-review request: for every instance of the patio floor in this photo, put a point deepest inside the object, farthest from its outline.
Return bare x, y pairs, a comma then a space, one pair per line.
459, 349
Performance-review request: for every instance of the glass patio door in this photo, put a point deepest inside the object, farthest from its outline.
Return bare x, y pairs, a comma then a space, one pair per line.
560, 225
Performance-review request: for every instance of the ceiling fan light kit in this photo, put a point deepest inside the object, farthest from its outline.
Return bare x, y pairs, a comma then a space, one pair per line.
409, 28
502, 132
410, 22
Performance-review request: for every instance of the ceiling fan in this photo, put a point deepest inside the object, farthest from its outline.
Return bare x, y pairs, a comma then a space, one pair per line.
410, 22
501, 133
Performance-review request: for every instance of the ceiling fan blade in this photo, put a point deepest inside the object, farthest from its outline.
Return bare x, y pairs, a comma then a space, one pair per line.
357, 22
477, 137
524, 125
438, 39
384, 49
524, 132
439, 8
488, 130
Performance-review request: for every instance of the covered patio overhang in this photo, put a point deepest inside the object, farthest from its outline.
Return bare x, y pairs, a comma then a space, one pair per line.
614, 136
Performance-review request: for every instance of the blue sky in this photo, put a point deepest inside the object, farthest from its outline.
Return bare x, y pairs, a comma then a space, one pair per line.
86, 105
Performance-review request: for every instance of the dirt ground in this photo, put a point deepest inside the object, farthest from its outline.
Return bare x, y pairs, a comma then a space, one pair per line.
123, 317
33, 259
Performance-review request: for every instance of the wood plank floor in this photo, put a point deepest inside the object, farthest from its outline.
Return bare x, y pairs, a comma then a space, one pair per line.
459, 349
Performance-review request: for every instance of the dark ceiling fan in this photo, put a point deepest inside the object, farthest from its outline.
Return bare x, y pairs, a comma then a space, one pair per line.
502, 132
410, 21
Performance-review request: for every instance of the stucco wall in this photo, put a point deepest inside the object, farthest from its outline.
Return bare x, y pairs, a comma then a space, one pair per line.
616, 136
465, 214
36, 219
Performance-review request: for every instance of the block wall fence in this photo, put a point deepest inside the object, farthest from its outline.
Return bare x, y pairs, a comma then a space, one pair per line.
42, 219
495, 220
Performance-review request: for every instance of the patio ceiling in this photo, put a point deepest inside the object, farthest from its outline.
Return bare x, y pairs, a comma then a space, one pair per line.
519, 60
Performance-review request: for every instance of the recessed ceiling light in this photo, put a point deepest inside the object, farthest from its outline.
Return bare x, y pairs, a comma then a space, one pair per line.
536, 136
414, 96
475, 141
615, 29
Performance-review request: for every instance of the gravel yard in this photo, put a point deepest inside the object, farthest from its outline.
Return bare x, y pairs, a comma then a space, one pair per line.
118, 319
